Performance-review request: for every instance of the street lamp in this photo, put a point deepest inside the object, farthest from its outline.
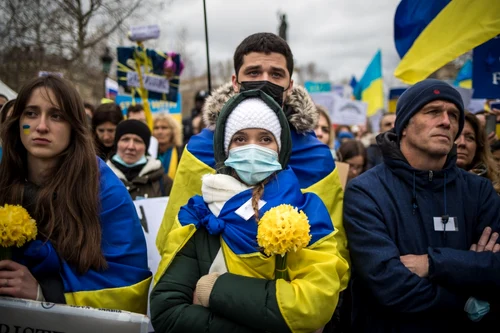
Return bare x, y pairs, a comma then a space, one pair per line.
106, 60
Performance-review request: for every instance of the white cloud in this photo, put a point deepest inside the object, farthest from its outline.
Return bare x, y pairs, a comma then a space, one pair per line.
340, 36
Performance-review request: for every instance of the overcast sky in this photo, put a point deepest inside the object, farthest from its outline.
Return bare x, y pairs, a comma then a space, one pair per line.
340, 36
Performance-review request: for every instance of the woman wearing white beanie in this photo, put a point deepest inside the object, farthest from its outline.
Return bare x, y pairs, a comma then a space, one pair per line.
215, 276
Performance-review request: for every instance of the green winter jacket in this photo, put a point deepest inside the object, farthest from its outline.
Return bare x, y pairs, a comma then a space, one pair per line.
172, 310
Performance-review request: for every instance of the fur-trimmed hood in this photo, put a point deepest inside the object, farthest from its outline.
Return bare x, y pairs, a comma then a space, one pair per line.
299, 108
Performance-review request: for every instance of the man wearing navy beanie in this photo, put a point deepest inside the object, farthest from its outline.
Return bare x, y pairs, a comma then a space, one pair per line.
422, 93
414, 223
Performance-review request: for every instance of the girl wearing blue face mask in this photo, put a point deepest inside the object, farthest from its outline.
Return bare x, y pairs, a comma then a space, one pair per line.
214, 277
142, 175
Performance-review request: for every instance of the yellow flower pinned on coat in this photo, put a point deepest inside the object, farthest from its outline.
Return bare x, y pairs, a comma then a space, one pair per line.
16, 226
283, 229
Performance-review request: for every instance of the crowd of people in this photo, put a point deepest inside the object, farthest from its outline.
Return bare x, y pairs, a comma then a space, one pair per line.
410, 245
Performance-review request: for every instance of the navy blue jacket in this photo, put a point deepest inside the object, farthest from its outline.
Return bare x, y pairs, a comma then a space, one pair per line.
388, 212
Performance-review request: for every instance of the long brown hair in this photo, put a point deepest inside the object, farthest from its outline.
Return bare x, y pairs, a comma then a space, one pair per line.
483, 156
67, 204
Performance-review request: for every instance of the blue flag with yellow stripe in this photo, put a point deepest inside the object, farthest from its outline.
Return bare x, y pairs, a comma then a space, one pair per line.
311, 161
370, 88
464, 76
124, 285
430, 34
316, 272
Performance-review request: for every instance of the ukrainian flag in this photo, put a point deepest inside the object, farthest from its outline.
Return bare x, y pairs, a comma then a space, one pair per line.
316, 272
310, 160
394, 95
464, 76
429, 34
124, 284
370, 88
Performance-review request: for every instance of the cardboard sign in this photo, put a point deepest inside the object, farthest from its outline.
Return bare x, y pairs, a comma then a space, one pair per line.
25, 316
343, 170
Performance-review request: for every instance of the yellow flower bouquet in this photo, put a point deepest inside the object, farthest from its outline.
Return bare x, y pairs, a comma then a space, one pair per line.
283, 229
16, 228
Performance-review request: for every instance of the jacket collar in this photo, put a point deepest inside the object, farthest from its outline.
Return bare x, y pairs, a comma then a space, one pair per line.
299, 108
397, 162
153, 169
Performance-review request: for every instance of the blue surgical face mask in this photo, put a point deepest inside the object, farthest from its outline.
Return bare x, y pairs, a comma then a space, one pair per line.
118, 159
253, 163
476, 309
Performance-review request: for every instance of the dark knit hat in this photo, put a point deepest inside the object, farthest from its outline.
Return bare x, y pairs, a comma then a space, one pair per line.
423, 92
133, 126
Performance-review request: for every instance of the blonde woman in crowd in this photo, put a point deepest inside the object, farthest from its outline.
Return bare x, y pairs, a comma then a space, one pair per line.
168, 133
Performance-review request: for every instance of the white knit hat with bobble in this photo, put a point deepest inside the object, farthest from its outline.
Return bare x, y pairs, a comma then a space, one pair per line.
252, 113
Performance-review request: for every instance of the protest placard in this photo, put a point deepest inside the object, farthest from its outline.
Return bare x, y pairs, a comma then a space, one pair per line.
348, 112
160, 82
26, 316
150, 213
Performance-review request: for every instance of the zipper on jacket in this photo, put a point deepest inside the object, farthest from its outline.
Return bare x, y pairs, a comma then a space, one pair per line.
431, 175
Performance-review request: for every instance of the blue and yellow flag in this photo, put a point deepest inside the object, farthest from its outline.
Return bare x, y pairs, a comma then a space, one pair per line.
394, 94
316, 272
429, 34
464, 76
310, 160
124, 285
370, 88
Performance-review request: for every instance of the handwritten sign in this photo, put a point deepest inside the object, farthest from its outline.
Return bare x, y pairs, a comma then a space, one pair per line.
152, 83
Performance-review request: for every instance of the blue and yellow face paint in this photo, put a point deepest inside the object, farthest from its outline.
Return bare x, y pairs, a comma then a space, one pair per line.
26, 129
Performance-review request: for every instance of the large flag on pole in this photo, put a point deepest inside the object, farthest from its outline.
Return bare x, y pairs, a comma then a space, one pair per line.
370, 88
458, 27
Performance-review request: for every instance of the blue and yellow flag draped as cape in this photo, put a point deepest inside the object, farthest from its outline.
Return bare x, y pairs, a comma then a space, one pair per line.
316, 272
124, 285
311, 161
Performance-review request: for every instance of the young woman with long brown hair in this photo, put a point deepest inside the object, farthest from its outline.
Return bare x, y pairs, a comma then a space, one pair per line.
90, 247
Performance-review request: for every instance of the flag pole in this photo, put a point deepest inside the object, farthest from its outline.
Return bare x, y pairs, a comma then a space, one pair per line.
206, 42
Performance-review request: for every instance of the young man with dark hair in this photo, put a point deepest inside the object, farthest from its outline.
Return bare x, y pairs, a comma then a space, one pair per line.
263, 61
